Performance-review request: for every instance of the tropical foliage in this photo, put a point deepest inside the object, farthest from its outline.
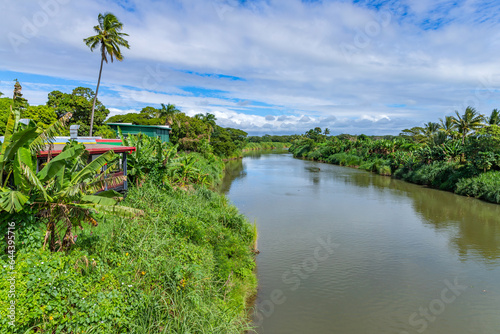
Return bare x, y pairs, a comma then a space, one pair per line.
162, 163
80, 103
185, 266
63, 191
461, 153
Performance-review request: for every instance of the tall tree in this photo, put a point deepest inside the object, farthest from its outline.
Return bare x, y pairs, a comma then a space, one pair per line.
168, 112
80, 103
494, 118
209, 119
471, 120
416, 133
109, 37
430, 130
447, 125
149, 112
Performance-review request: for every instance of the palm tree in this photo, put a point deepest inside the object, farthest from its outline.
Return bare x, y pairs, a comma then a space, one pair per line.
416, 133
327, 131
447, 126
430, 129
109, 38
471, 120
168, 111
494, 118
209, 119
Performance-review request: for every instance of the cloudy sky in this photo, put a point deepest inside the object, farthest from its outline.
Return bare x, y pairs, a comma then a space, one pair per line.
267, 66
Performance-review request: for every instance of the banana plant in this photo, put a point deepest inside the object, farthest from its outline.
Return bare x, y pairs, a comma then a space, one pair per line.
182, 171
63, 191
150, 153
21, 141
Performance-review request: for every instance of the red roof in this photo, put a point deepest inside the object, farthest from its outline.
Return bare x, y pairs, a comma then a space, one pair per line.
92, 148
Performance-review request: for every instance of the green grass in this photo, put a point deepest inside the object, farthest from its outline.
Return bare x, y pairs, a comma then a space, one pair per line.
186, 266
485, 186
264, 146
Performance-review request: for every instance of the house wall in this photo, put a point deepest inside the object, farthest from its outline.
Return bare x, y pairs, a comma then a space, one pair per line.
148, 130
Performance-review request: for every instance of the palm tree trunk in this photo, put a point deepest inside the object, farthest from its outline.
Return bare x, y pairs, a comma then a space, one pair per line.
95, 98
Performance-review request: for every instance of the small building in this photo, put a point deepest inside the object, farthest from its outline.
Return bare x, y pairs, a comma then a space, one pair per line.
95, 146
95, 150
160, 131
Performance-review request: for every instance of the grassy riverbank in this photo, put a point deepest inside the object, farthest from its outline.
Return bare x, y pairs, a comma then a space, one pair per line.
468, 166
451, 176
265, 146
257, 147
185, 266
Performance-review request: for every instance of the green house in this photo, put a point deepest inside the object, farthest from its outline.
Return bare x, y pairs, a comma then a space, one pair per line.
161, 131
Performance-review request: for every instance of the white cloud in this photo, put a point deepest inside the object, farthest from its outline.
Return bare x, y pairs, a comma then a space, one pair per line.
368, 70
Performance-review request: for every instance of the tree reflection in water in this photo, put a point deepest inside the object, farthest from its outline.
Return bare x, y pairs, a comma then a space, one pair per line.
473, 226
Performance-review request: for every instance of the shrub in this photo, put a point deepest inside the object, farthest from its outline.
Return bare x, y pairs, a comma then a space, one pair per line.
485, 186
375, 165
384, 170
314, 155
440, 174
185, 267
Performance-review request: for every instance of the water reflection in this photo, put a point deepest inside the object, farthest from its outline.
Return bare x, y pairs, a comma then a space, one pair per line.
398, 242
259, 153
233, 170
473, 225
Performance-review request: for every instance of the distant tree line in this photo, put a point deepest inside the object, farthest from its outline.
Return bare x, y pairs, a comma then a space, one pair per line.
199, 133
461, 153
78, 102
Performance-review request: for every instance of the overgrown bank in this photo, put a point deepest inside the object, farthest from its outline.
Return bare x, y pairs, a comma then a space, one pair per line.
184, 266
238, 154
464, 162
265, 146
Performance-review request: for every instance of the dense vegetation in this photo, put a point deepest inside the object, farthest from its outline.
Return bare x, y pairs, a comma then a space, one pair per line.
199, 133
184, 267
174, 257
459, 154
78, 103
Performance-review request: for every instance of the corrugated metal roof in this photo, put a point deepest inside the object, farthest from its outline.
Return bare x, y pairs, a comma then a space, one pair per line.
92, 148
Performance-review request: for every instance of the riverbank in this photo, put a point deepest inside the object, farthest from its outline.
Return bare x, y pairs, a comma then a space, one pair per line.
460, 178
265, 146
257, 147
185, 266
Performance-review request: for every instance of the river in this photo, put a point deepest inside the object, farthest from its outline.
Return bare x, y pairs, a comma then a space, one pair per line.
347, 251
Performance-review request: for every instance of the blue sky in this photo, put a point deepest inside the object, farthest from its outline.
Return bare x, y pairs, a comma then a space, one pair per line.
267, 66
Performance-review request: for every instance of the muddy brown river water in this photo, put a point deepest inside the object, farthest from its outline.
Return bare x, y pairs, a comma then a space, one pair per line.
347, 251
